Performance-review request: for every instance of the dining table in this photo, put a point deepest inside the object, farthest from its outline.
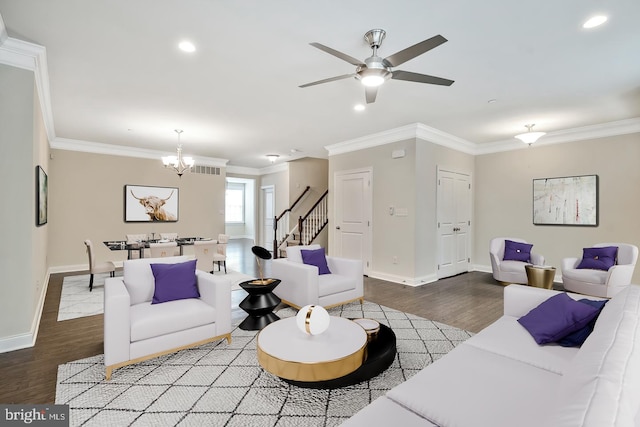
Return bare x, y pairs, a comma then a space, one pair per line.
140, 246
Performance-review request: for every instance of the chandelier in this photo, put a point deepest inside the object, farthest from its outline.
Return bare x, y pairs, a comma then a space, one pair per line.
178, 163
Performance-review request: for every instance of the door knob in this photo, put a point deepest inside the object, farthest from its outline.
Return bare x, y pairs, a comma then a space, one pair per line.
337, 227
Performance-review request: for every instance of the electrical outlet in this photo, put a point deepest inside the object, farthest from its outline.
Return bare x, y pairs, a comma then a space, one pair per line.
394, 259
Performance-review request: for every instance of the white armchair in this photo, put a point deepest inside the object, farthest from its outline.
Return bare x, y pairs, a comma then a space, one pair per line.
601, 283
509, 271
137, 330
302, 285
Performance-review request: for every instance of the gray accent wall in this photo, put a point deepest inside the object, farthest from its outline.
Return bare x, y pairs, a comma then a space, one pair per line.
504, 206
23, 258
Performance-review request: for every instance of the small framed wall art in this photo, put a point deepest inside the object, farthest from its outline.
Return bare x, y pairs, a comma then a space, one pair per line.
42, 196
150, 204
571, 200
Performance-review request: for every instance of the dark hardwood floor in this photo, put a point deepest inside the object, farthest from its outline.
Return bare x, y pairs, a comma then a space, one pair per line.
469, 301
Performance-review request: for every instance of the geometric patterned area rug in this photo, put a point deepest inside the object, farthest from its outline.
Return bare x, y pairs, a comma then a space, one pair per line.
76, 300
223, 385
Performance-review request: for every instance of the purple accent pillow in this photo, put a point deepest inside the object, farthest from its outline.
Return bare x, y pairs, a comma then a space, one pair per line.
577, 338
316, 257
175, 281
599, 258
556, 318
516, 251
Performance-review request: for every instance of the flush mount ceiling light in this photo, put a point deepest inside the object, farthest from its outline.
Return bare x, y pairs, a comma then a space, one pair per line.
530, 137
272, 157
178, 163
595, 21
358, 107
187, 46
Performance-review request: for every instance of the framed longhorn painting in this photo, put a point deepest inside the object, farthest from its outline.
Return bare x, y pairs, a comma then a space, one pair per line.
150, 204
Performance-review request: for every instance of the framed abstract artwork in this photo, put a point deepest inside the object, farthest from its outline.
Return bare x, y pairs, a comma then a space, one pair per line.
571, 200
42, 196
150, 204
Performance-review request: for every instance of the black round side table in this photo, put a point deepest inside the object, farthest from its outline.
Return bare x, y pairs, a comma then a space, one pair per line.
259, 304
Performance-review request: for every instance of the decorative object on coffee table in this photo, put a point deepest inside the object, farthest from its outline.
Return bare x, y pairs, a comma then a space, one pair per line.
313, 319
261, 253
259, 304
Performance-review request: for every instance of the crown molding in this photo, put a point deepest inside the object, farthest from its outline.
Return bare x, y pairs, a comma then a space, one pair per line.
32, 57
602, 130
412, 131
126, 151
3, 31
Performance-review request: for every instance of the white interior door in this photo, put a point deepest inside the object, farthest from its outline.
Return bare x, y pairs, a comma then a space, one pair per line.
353, 209
268, 203
454, 222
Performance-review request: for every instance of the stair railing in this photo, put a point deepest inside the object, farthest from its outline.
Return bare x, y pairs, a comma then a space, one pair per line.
281, 229
314, 221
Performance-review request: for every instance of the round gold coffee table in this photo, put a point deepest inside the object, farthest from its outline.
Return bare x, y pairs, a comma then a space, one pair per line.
288, 353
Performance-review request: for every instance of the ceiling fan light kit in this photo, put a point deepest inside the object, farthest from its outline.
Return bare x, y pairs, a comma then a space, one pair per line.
374, 71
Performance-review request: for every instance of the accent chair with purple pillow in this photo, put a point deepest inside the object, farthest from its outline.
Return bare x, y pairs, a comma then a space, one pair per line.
508, 257
304, 280
162, 305
603, 271
316, 257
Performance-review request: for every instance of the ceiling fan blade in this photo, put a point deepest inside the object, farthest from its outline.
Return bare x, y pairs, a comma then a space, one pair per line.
370, 92
420, 78
337, 54
330, 79
415, 50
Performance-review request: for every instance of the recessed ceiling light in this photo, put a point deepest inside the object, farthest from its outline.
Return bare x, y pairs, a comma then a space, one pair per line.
595, 21
358, 107
187, 46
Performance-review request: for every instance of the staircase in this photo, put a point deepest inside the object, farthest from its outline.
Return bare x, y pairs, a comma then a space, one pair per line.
306, 230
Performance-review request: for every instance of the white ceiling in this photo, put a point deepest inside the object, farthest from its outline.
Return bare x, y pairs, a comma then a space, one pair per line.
117, 77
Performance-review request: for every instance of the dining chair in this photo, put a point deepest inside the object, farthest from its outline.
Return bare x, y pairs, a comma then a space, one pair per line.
94, 268
169, 236
205, 251
162, 250
221, 253
136, 239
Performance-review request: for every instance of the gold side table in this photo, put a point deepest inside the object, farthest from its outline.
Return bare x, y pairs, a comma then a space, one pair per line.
540, 276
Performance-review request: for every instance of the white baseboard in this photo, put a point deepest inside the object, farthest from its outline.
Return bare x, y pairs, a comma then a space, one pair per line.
409, 281
20, 341
77, 267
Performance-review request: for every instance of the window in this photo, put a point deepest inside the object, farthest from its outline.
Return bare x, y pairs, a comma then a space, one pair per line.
234, 203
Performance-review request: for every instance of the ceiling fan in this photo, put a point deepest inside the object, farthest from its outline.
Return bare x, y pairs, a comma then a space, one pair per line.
375, 70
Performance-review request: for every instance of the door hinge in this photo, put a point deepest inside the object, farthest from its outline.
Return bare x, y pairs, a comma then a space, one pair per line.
469, 223
438, 225
438, 266
367, 263
368, 224
469, 260
469, 186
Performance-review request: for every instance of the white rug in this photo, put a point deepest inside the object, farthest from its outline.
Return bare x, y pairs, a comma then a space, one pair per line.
223, 385
76, 300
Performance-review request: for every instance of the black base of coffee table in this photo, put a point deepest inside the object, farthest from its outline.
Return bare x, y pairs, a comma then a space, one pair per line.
381, 353
259, 305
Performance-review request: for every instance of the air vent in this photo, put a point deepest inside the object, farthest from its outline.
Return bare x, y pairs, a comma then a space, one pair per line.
206, 170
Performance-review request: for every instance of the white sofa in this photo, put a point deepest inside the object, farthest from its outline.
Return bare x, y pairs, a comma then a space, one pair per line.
501, 378
301, 284
136, 330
